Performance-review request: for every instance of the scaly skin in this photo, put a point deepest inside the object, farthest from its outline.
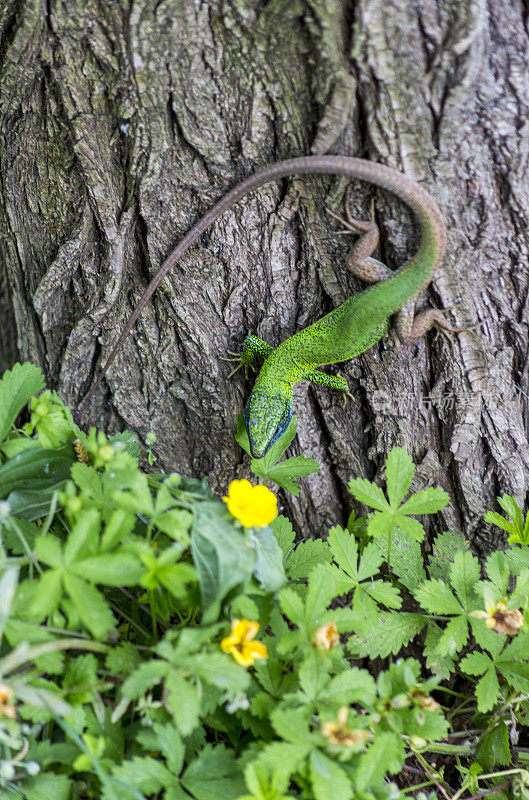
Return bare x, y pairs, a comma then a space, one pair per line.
345, 332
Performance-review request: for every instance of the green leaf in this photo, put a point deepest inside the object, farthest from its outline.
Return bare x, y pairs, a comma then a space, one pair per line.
381, 524
90, 606
454, 636
292, 605
84, 536
344, 550
406, 558
284, 533
171, 745
370, 561
32, 505
291, 724
369, 494
384, 593
283, 757
17, 387
494, 747
326, 775
48, 786
399, 473
284, 473
445, 546
322, 589
386, 754
144, 773
496, 519
464, 574
487, 690
8, 585
352, 686
437, 598
47, 595
306, 556
269, 569
429, 501
214, 774
111, 569
411, 526
219, 669
144, 677
35, 469
183, 702
220, 554
387, 635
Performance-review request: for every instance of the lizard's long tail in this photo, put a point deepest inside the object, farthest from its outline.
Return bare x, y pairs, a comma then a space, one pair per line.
408, 280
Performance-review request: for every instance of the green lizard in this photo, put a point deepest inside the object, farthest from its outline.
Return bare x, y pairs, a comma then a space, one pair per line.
351, 328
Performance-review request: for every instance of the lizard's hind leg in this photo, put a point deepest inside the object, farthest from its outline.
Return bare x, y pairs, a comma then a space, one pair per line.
335, 382
360, 261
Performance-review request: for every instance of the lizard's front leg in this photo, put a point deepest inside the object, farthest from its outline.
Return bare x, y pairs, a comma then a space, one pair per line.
252, 347
335, 382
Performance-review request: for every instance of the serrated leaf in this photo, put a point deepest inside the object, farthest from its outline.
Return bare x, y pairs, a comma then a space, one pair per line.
306, 556
144, 773
399, 474
386, 754
111, 569
437, 598
326, 773
322, 589
370, 561
475, 663
411, 526
464, 574
381, 524
291, 724
143, 678
344, 550
444, 548
454, 636
440, 665
284, 533
214, 774
387, 635
90, 606
352, 686
17, 387
383, 592
427, 501
496, 519
292, 605
369, 494
494, 748
183, 702
49, 786
406, 558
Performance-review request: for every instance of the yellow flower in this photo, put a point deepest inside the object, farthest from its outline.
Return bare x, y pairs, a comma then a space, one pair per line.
501, 619
338, 734
239, 643
254, 506
326, 636
7, 709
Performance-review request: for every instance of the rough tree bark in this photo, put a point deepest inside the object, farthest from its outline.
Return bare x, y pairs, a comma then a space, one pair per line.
122, 121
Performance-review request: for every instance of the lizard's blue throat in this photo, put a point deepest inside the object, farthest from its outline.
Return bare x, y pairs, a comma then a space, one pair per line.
266, 418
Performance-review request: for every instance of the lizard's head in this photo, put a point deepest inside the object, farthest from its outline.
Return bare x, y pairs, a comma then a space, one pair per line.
266, 417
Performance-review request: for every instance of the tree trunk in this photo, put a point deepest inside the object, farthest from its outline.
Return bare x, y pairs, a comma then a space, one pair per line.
123, 121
